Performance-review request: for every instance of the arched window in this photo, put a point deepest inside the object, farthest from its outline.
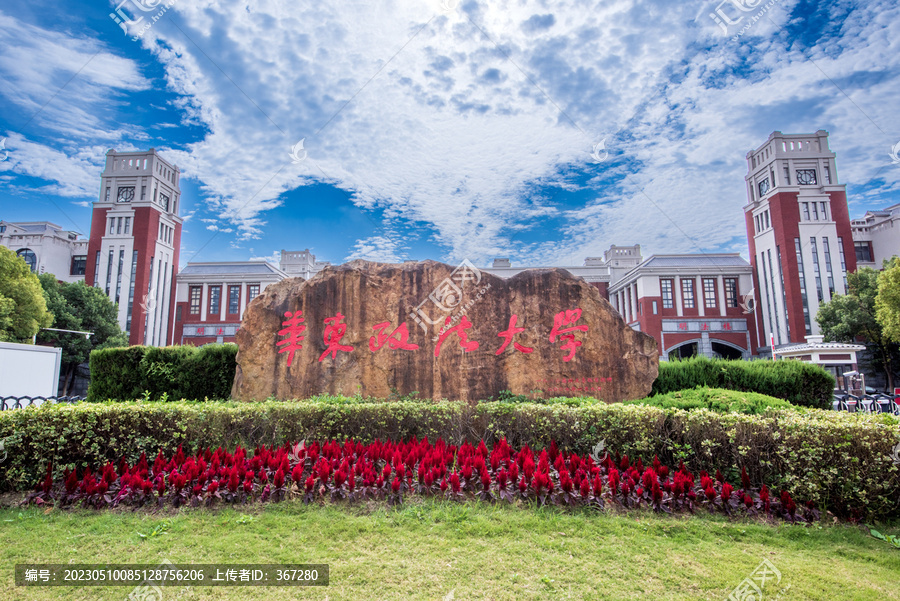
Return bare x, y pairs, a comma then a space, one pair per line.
28, 255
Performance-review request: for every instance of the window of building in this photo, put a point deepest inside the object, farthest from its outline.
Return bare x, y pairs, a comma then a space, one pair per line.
787, 317
119, 275
134, 257
79, 265
709, 293
118, 225
215, 300
109, 271
763, 187
127, 225
824, 213
826, 249
767, 219
863, 252
816, 271
655, 308
143, 192
843, 263
2, 229
164, 201
815, 211
125, 194
827, 175
802, 276
787, 176
112, 226
806, 177
195, 294
687, 293
806, 211
97, 271
667, 298
29, 257
234, 299
731, 292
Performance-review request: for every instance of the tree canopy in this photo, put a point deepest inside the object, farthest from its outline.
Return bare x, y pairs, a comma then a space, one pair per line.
23, 310
848, 317
82, 308
887, 302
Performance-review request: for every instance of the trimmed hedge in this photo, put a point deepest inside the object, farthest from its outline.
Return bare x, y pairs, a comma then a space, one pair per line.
715, 399
796, 382
172, 372
840, 461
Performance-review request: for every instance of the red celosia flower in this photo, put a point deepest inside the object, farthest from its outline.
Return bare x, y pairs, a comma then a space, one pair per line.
523, 486
454, 482
710, 494
297, 473
279, 478
485, 480
248, 486
745, 479
444, 484
719, 476
585, 488
613, 478
657, 493
748, 501
727, 489
395, 485
598, 485
212, 488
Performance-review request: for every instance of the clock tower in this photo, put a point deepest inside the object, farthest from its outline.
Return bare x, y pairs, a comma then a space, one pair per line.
134, 243
798, 230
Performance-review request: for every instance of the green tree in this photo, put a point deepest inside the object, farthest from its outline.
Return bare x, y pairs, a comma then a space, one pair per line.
23, 310
82, 308
887, 302
848, 317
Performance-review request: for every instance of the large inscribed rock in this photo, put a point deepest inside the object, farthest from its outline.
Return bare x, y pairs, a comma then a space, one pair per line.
459, 334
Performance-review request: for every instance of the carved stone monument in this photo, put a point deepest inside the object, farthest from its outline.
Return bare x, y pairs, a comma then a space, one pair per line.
459, 334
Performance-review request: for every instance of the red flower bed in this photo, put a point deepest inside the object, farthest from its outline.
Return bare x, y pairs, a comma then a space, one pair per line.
353, 471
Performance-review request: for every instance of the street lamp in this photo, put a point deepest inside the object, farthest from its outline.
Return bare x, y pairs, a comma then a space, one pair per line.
87, 335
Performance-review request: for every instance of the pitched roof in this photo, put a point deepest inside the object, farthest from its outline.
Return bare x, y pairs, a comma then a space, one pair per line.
231, 268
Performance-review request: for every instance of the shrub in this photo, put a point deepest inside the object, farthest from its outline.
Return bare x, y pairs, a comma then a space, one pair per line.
116, 373
715, 399
172, 372
840, 461
796, 382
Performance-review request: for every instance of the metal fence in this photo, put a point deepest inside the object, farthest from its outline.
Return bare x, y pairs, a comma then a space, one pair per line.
20, 402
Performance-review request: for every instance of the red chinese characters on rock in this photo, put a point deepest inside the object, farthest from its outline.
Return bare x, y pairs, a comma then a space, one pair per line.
294, 329
564, 318
509, 334
398, 339
334, 331
564, 331
460, 329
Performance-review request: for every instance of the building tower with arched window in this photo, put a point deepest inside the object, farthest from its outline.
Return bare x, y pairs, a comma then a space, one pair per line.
798, 230
135, 238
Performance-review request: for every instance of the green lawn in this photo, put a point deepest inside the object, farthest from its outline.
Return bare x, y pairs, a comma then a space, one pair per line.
429, 550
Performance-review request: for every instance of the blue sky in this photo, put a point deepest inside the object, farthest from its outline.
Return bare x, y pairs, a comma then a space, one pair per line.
443, 129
